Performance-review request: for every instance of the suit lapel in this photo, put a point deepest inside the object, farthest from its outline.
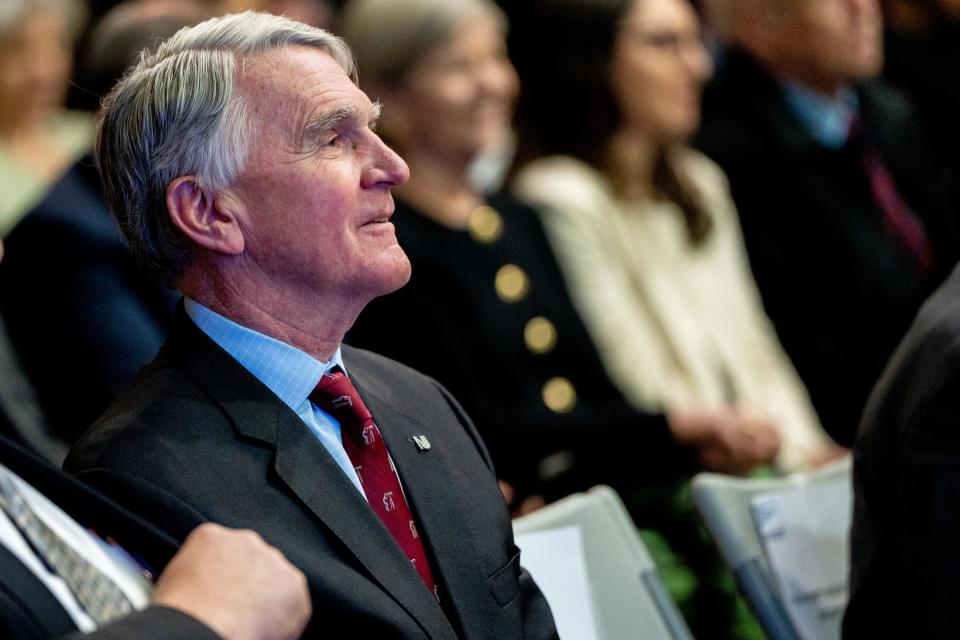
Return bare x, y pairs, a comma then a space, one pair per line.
310, 472
427, 477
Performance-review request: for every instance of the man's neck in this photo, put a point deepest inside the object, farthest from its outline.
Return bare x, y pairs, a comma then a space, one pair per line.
282, 317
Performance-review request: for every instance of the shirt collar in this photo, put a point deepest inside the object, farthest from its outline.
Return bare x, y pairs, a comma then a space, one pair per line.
291, 374
827, 119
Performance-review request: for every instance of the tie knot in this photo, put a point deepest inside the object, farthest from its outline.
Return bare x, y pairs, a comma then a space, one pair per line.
336, 395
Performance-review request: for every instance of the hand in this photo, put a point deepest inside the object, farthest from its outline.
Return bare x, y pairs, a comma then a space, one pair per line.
509, 493
730, 439
528, 505
236, 584
827, 454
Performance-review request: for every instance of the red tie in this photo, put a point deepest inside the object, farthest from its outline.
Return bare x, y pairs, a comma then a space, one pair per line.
898, 220
336, 395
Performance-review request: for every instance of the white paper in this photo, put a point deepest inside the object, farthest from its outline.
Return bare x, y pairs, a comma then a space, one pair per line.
555, 559
805, 535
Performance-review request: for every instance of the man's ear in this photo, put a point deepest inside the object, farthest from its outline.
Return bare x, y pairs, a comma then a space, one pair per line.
206, 219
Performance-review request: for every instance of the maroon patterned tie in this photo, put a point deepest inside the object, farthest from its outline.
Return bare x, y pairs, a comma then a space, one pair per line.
336, 395
897, 220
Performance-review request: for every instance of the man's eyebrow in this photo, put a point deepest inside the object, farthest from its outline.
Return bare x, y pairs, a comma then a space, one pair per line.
329, 120
332, 119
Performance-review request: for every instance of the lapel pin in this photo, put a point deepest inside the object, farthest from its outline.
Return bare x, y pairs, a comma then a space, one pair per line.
421, 441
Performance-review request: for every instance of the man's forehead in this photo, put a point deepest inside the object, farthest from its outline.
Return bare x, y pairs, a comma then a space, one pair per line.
298, 79
290, 69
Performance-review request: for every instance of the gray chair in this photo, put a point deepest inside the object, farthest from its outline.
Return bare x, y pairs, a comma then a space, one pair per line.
724, 502
629, 600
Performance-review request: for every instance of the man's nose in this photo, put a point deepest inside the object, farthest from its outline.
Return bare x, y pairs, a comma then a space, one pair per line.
387, 168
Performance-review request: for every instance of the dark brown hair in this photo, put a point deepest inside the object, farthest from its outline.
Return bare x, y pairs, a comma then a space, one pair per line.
566, 104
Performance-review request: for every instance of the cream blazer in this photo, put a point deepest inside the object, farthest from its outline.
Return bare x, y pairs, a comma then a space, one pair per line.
676, 324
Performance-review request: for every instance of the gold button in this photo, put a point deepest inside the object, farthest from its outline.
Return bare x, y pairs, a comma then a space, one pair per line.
511, 283
559, 395
540, 335
485, 224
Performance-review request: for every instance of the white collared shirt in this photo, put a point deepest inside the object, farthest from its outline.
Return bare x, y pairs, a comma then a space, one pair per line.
112, 564
291, 374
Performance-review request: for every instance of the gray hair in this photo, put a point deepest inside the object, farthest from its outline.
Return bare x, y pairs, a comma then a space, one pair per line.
388, 37
177, 113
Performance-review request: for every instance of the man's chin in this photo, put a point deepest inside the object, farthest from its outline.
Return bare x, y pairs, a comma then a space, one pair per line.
399, 275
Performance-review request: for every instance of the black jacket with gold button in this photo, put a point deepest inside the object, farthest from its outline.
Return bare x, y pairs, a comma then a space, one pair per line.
487, 314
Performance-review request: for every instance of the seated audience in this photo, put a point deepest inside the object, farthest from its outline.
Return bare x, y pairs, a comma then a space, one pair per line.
241, 162
643, 226
839, 202
485, 289
904, 558
39, 139
487, 296
100, 317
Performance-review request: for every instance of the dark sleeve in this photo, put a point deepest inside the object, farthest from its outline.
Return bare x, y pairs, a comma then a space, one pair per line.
153, 623
146, 500
905, 560
98, 321
926, 516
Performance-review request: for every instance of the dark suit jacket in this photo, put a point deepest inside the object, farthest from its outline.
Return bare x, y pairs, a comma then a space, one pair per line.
198, 437
478, 351
838, 289
77, 307
28, 611
905, 556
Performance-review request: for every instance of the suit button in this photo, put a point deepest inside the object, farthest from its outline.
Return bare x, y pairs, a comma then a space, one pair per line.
485, 224
511, 283
559, 395
539, 335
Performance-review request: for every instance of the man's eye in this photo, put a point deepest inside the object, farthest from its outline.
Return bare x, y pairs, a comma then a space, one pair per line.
333, 142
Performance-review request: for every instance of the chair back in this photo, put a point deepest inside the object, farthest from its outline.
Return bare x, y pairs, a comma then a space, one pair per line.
786, 541
627, 595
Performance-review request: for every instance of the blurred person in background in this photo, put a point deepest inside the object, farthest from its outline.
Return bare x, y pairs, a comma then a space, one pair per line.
100, 316
648, 241
487, 295
485, 289
39, 139
845, 223
643, 226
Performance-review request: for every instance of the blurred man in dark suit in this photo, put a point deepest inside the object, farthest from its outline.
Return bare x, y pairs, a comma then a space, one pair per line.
844, 220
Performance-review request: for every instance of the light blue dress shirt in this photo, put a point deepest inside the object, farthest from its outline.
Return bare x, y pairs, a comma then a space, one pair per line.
827, 119
291, 374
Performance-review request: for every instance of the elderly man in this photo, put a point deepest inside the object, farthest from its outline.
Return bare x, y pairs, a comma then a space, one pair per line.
843, 218
242, 164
